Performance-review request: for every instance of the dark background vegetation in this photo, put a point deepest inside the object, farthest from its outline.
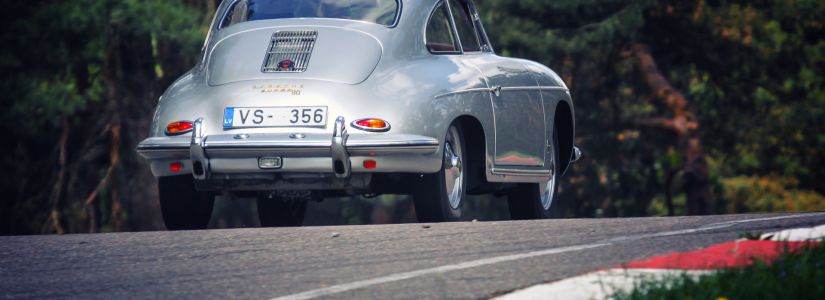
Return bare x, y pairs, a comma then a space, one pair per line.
682, 107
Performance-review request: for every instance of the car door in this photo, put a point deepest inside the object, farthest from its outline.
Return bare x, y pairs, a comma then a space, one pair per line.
516, 99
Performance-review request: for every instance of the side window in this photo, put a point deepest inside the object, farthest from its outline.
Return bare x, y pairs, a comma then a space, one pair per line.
464, 25
238, 13
439, 36
482, 35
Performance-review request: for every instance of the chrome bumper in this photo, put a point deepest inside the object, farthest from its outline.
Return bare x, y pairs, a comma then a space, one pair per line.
340, 153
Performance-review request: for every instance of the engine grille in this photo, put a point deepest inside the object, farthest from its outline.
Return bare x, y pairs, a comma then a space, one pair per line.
289, 51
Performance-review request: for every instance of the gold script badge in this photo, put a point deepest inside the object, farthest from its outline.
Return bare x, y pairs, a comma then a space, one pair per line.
289, 89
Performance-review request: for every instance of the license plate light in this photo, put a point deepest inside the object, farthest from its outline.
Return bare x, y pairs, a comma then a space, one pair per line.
270, 162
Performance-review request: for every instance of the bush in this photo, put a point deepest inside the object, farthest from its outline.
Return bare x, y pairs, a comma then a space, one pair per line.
768, 194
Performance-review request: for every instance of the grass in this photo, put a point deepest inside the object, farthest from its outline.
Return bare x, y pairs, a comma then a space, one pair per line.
793, 275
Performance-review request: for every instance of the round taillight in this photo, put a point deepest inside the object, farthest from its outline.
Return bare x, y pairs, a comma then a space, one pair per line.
371, 124
179, 127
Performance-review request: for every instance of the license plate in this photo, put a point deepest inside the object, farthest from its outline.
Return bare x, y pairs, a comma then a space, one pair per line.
303, 116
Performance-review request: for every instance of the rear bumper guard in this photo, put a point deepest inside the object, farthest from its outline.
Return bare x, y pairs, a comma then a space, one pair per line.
200, 163
338, 150
205, 153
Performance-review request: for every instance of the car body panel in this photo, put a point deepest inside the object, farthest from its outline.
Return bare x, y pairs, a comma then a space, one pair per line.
331, 58
358, 70
519, 111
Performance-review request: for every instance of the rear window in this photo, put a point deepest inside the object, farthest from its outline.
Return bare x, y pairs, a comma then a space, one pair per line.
382, 12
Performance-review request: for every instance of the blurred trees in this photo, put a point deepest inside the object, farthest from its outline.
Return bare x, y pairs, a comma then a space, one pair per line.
718, 98
80, 82
747, 69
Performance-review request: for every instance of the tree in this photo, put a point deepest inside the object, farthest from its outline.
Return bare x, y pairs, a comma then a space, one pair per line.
83, 78
706, 72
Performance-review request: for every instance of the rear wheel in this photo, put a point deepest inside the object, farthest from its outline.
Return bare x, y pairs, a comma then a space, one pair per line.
182, 207
535, 200
280, 211
532, 200
440, 196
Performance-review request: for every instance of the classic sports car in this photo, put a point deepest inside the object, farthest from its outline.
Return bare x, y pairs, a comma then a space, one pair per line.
297, 100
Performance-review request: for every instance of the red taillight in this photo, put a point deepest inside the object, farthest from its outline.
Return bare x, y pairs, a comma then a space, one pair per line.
370, 164
371, 124
179, 127
175, 167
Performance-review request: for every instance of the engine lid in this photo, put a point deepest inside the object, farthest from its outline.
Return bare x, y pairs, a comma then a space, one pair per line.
324, 53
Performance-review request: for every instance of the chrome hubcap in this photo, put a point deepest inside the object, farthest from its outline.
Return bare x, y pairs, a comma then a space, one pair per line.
453, 168
548, 189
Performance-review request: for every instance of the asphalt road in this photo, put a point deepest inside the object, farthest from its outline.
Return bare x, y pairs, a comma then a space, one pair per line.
404, 261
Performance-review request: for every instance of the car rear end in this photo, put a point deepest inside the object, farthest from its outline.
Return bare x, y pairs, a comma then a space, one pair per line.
282, 104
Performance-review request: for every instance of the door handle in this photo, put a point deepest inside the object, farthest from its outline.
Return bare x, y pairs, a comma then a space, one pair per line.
496, 89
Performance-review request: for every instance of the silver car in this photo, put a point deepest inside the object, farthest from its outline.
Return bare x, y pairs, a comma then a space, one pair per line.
298, 100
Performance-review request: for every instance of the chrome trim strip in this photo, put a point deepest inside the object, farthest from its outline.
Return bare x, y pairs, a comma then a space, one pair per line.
292, 152
159, 148
357, 144
171, 150
534, 88
381, 151
162, 154
387, 143
152, 143
278, 144
365, 149
424, 145
520, 172
511, 88
472, 90
220, 146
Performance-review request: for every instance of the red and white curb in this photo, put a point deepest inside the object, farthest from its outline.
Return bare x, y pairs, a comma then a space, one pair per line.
601, 284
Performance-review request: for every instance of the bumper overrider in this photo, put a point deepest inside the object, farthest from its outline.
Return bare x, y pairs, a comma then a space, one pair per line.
288, 161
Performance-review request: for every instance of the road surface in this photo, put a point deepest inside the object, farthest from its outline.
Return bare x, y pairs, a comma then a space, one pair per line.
467, 260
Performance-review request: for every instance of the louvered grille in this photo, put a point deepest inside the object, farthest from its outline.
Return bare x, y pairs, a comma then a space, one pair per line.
289, 51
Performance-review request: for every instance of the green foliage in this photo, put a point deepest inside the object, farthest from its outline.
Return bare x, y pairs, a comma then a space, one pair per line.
769, 100
750, 69
794, 275
769, 194
60, 50
88, 64
747, 68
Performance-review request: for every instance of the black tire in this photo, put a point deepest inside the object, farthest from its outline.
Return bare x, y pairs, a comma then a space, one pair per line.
274, 211
182, 207
432, 198
526, 201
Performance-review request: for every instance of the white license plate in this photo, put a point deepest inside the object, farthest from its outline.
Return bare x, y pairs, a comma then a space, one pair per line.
303, 116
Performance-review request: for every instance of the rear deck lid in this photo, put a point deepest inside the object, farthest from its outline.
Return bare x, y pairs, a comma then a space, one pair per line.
331, 54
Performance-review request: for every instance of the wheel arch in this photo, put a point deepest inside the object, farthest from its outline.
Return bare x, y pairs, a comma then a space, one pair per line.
565, 134
475, 142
